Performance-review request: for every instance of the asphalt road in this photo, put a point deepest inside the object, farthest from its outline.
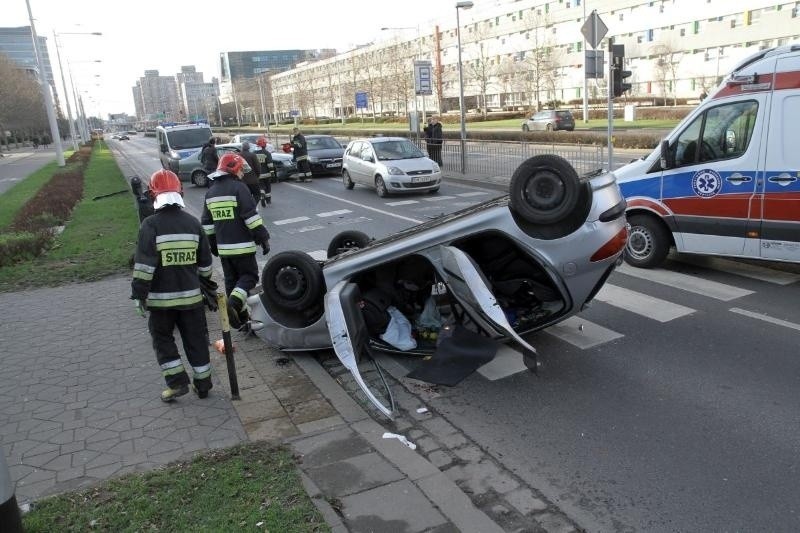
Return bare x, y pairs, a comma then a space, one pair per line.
19, 163
670, 404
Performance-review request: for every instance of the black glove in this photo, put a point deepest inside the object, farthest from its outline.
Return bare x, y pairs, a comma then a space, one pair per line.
208, 288
265, 247
212, 242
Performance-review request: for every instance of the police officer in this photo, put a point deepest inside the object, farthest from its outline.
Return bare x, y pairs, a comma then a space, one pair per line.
267, 170
300, 155
251, 176
234, 227
171, 279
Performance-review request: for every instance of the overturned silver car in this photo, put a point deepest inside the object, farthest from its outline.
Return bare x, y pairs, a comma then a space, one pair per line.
498, 270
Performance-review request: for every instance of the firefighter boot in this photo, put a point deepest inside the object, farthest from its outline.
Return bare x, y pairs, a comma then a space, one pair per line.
202, 388
169, 394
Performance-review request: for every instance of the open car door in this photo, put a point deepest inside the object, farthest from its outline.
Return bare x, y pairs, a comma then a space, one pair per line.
349, 333
470, 288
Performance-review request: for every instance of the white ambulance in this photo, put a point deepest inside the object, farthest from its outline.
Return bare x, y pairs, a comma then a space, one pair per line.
726, 181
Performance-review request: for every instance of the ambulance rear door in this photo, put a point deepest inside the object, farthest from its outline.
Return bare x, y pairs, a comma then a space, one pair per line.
780, 225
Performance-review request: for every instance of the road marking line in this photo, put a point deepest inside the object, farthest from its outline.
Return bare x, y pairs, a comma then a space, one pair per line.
712, 289
770, 275
290, 221
304, 229
334, 213
402, 202
437, 198
582, 333
507, 362
642, 304
766, 318
473, 193
381, 211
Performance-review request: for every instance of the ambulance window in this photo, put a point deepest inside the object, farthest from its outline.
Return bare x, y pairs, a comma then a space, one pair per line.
728, 130
791, 132
685, 148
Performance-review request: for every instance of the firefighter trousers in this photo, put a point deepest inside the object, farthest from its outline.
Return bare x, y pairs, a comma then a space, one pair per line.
191, 324
241, 275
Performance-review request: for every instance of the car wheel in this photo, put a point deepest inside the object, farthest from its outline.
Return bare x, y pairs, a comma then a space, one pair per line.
648, 242
433, 191
347, 240
380, 187
549, 127
292, 280
525, 127
571, 129
544, 189
200, 178
348, 183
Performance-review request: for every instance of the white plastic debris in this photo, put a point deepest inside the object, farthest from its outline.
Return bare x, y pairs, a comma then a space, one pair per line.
401, 438
422, 410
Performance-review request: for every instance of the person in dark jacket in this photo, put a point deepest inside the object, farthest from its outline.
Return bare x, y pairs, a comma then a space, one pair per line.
234, 228
171, 279
267, 170
251, 177
208, 156
300, 155
433, 139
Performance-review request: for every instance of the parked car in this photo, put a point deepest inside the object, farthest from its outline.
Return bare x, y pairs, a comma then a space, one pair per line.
124, 137
498, 270
324, 154
252, 138
550, 120
390, 165
285, 168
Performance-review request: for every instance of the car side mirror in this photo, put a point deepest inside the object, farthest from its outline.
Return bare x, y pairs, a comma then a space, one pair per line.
666, 156
163, 148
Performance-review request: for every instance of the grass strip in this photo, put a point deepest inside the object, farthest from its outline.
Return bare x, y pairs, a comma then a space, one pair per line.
98, 239
253, 486
17, 196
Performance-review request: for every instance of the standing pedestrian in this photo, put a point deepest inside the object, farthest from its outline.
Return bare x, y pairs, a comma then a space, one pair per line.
267, 170
234, 228
208, 156
300, 155
433, 139
171, 279
251, 176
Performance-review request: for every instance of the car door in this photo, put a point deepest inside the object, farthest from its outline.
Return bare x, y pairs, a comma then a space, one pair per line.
780, 186
368, 163
347, 329
469, 287
710, 188
353, 158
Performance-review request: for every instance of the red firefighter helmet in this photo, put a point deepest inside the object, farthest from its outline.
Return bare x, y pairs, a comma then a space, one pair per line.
262, 142
164, 181
231, 163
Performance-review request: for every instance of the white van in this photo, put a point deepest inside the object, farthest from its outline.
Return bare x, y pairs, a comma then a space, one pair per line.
726, 181
179, 146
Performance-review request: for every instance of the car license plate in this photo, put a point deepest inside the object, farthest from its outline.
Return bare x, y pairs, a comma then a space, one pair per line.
333, 165
421, 179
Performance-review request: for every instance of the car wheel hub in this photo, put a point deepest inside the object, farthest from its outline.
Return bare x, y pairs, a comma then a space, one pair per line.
640, 243
290, 283
544, 191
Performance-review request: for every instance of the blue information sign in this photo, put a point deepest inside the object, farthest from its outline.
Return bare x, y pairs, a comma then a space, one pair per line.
361, 100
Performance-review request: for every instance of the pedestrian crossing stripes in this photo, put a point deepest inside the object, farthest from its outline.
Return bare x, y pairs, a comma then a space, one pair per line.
438, 198
290, 221
746, 270
402, 202
473, 193
676, 280
642, 304
766, 318
582, 333
334, 213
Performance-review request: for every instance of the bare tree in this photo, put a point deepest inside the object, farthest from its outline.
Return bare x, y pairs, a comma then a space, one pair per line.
506, 76
667, 60
479, 67
538, 67
22, 109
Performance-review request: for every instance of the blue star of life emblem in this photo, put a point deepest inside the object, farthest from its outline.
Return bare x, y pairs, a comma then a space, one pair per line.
706, 183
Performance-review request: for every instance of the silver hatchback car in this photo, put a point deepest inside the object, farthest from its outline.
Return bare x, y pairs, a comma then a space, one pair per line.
391, 165
498, 270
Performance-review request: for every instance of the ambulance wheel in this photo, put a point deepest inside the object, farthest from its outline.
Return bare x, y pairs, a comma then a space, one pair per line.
292, 280
648, 242
544, 189
347, 240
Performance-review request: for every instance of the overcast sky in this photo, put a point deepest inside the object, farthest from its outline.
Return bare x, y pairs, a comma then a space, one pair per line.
140, 35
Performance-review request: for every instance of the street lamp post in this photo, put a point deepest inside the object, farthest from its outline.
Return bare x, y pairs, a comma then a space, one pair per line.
465, 4
72, 131
48, 96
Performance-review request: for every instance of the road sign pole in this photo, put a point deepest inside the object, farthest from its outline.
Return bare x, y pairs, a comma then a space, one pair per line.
610, 104
585, 83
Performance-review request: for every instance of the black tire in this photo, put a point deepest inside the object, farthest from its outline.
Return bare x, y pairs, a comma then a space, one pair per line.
433, 191
525, 128
347, 240
380, 187
292, 280
348, 183
648, 242
544, 189
200, 178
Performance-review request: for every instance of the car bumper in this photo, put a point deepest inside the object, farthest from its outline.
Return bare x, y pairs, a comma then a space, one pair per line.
326, 167
396, 185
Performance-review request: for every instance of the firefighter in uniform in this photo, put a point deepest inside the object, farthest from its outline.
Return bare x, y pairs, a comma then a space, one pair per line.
234, 228
267, 171
251, 176
172, 279
300, 155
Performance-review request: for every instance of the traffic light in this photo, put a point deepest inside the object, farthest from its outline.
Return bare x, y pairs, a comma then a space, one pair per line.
619, 75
